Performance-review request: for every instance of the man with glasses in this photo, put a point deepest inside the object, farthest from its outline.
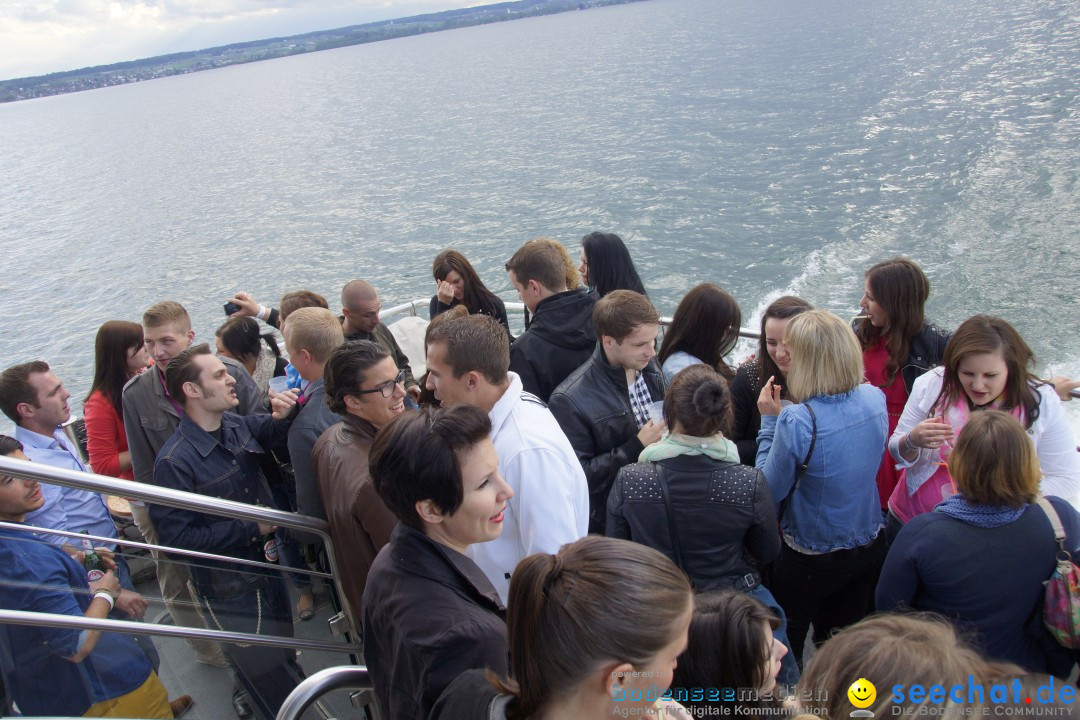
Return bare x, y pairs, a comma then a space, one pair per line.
366, 388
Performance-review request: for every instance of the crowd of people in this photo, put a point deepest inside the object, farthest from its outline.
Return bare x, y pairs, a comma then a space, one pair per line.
569, 523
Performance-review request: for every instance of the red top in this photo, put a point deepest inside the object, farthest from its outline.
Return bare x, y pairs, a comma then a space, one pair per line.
874, 361
105, 437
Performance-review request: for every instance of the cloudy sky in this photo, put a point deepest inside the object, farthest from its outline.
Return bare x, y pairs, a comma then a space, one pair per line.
42, 36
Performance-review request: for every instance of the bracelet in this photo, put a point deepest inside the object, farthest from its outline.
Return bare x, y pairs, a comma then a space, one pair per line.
103, 593
263, 313
908, 444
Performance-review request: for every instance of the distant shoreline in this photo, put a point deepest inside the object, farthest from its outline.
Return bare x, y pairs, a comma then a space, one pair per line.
182, 63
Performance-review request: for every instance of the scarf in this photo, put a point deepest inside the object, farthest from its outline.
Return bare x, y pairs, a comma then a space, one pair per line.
264, 369
672, 445
984, 516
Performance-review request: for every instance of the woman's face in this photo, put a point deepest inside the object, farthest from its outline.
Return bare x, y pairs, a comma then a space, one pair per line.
775, 652
583, 269
454, 278
874, 312
774, 343
480, 515
137, 360
983, 376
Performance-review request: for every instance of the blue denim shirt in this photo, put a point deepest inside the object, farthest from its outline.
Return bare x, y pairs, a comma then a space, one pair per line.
194, 461
835, 504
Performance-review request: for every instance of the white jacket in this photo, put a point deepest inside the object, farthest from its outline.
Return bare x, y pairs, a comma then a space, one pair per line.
550, 506
1051, 434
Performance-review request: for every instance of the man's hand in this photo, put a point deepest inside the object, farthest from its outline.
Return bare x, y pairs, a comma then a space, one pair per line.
108, 558
651, 432
281, 404
108, 582
132, 604
265, 529
248, 306
414, 393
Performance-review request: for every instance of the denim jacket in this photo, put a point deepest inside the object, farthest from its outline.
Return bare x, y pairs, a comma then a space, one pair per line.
192, 460
834, 506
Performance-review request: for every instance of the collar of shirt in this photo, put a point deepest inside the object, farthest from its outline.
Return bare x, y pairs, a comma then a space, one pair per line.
51, 450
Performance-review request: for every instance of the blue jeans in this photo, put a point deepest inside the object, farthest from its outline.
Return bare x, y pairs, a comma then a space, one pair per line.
789, 667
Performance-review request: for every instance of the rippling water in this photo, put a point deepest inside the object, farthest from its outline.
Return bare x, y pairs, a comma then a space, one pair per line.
768, 145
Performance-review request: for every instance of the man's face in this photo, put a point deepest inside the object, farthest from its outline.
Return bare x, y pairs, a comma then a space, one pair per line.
165, 342
524, 292
365, 316
636, 349
216, 388
52, 406
441, 381
18, 497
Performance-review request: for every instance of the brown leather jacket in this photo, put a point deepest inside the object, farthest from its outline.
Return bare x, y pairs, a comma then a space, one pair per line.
360, 523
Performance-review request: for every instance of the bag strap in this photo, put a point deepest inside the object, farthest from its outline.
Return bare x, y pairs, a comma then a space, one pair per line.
676, 547
1055, 522
813, 441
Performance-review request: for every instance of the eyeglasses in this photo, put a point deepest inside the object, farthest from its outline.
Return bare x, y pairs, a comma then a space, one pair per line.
387, 388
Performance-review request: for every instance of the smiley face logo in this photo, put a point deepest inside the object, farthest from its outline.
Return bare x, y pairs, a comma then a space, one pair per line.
862, 693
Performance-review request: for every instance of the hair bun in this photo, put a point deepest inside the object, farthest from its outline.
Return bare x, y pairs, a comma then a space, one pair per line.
710, 399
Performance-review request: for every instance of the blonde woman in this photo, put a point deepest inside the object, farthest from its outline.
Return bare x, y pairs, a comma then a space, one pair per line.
820, 457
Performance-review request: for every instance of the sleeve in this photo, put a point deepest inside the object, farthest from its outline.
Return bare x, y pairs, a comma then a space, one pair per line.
51, 593
923, 393
142, 453
191, 530
617, 526
743, 403
247, 392
519, 363
500, 315
302, 439
274, 318
544, 500
600, 467
778, 453
102, 443
436, 307
464, 647
373, 515
1056, 448
763, 537
899, 581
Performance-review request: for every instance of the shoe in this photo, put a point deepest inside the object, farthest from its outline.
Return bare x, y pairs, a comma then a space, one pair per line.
305, 606
216, 659
180, 705
241, 705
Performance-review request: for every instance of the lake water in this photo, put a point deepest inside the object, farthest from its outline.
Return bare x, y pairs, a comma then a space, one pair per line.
771, 146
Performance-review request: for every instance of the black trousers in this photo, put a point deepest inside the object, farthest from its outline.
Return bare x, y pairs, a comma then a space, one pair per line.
831, 591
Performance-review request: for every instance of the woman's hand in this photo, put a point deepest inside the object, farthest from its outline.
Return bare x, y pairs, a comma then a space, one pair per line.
931, 433
768, 402
1064, 385
445, 292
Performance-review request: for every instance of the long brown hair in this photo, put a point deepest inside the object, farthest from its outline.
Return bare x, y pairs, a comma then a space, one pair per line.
706, 325
988, 334
782, 308
598, 600
475, 295
115, 339
901, 288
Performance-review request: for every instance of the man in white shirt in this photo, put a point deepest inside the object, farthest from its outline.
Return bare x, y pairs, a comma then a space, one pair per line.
467, 362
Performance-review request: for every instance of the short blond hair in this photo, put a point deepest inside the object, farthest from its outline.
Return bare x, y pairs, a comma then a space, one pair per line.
167, 311
316, 330
826, 358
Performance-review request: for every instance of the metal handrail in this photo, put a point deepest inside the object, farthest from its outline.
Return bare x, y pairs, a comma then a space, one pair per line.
311, 689
184, 500
131, 627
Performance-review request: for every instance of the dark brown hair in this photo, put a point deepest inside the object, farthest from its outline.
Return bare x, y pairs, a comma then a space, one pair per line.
346, 369
474, 342
699, 400
475, 295
706, 325
240, 336
610, 265
994, 461
901, 288
115, 339
988, 334
599, 600
183, 369
620, 312
539, 262
418, 455
15, 387
297, 299
782, 308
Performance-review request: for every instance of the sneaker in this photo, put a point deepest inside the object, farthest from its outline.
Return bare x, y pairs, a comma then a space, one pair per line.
180, 705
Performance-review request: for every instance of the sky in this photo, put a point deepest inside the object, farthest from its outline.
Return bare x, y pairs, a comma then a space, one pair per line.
43, 36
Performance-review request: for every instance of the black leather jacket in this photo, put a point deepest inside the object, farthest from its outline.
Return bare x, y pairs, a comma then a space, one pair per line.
724, 517
593, 408
560, 338
927, 351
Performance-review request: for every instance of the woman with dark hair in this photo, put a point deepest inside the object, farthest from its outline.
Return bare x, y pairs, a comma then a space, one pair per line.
692, 479
460, 285
898, 344
606, 265
954, 561
429, 612
987, 365
119, 355
704, 330
238, 338
771, 361
731, 645
594, 631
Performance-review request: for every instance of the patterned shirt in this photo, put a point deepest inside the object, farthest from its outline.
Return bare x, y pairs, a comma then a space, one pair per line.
640, 399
